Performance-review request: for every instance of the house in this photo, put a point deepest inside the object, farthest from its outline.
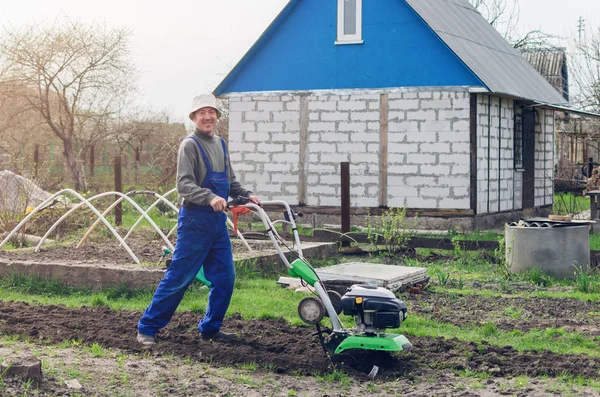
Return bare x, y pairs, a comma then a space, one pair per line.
577, 134
433, 109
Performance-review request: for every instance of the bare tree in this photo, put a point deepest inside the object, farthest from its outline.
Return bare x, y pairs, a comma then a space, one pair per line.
77, 76
585, 72
504, 16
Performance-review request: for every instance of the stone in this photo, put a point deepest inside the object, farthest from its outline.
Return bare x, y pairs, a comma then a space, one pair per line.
28, 368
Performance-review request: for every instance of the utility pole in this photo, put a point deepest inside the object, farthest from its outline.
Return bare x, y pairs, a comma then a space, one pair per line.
581, 27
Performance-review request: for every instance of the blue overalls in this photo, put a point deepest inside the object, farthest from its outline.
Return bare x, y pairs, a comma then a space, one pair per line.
202, 242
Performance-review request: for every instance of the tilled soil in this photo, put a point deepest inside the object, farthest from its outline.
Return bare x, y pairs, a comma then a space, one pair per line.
509, 313
284, 348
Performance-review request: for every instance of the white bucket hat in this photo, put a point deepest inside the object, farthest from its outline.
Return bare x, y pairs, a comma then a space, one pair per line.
204, 101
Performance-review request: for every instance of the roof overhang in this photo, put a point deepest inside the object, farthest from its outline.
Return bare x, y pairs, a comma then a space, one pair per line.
566, 109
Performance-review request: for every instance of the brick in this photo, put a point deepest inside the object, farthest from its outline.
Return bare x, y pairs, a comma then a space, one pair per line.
454, 114
277, 167
336, 158
269, 127
351, 147
365, 137
425, 95
404, 104
291, 126
410, 95
324, 147
320, 189
403, 147
314, 116
335, 116
260, 157
421, 136
461, 125
235, 136
243, 166
268, 187
237, 126
455, 137
418, 202
291, 189
269, 147
257, 136
434, 147
364, 116
244, 147
396, 136
422, 158
373, 105
396, 115
423, 115
436, 169
403, 169
321, 126
285, 137
373, 147
327, 106
352, 127
353, 105
270, 106
235, 117
284, 158
335, 137
327, 200
364, 158
435, 191
460, 169
235, 156
242, 106
436, 126
257, 116
294, 106
425, 104
461, 147
404, 126
286, 116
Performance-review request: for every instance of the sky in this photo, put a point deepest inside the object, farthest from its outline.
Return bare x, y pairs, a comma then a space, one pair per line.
183, 48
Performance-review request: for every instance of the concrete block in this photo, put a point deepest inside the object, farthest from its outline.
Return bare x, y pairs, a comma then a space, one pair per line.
286, 116
321, 126
318, 105
353, 105
422, 115
335, 116
352, 127
364, 116
394, 147
241, 106
269, 147
335, 137
270, 106
351, 147
438, 147
421, 137
257, 136
269, 127
364, 158
257, 116
292, 106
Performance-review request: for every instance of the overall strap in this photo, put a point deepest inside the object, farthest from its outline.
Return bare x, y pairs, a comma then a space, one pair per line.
204, 156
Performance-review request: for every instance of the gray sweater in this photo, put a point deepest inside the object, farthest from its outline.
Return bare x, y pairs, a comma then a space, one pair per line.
191, 169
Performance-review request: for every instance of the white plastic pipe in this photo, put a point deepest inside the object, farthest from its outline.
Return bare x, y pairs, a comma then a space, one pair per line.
83, 201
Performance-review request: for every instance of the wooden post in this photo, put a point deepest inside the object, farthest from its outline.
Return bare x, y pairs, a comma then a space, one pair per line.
383, 150
137, 165
92, 160
36, 160
118, 188
590, 167
303, 160
345, 193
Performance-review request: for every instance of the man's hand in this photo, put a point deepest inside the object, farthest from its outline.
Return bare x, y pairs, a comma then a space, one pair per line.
218, 204
254, 199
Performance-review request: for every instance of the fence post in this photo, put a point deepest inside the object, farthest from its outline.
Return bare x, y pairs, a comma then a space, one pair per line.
345, 193
36, 160
92, 161
118, 188
590, 166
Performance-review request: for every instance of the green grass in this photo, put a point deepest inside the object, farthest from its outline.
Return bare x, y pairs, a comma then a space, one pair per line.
557, 341
569, 204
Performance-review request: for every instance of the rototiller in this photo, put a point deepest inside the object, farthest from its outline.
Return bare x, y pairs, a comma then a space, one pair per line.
374, 309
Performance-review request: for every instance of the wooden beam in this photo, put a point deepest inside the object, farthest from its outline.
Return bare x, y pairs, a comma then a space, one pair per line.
473, 140
303, 160
383, 149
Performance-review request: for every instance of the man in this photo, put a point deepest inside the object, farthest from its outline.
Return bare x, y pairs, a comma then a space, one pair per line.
204, 181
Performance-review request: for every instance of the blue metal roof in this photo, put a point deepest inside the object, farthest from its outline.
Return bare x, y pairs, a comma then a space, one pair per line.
479, 45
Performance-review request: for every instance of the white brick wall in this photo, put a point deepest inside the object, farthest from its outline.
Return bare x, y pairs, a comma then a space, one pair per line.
544, 158
496, 180
428, 149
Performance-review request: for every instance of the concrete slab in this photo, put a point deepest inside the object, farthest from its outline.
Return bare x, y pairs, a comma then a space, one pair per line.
391, 277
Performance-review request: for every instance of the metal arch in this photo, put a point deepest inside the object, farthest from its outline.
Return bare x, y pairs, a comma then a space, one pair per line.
83, 201
101, 217
159, 199
144, 215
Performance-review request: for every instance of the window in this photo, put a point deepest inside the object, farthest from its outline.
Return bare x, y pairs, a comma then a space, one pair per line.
349, 25
519, 142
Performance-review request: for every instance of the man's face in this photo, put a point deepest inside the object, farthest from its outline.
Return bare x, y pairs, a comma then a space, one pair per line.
205, 119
